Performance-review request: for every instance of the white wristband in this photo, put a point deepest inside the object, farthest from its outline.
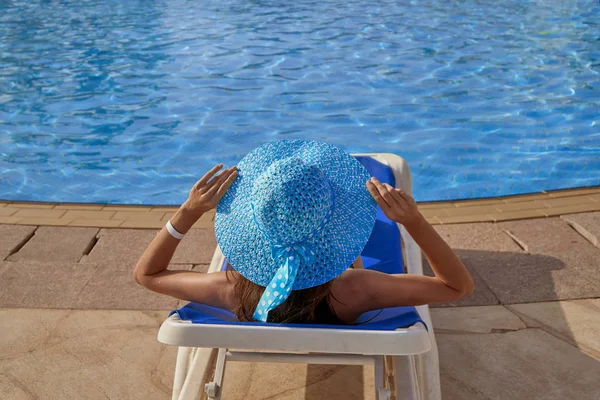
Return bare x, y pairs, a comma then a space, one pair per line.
173, 231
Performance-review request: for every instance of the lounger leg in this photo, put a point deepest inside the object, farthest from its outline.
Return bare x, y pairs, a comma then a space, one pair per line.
181, 369
430, 369
197, 373
405, 381
214, 388
381, 392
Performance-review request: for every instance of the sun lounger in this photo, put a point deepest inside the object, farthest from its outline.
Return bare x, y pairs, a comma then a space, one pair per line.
398, 341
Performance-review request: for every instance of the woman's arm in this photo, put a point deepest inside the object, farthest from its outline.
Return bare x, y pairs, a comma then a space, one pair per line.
452, 280
158, 254
446, 266
151, 270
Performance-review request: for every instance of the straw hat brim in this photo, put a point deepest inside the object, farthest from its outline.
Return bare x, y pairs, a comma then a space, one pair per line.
339, 243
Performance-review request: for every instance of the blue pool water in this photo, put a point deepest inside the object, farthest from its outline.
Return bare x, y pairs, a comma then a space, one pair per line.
132, 101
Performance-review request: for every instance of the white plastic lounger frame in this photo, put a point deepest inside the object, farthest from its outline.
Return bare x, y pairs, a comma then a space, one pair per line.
411, 353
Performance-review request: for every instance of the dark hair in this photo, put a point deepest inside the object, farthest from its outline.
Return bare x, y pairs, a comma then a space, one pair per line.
299, 307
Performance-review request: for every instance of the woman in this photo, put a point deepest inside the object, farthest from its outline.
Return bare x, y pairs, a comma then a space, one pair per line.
290, 220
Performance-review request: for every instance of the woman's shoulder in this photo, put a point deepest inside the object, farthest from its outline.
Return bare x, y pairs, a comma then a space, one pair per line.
224, 284
350, 296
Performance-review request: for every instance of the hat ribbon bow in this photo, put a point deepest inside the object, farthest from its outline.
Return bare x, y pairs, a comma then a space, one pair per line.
288, 258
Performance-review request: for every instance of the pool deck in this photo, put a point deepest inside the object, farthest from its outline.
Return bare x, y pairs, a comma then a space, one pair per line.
539, 205
75, 325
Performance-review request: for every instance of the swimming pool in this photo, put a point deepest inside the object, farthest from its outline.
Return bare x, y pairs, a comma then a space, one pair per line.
131, 101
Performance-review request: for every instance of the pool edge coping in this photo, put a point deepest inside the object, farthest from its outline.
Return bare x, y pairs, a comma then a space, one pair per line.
536, 205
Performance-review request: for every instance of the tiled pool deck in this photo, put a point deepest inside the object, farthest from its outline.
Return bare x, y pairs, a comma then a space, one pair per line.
547, 204
75, 325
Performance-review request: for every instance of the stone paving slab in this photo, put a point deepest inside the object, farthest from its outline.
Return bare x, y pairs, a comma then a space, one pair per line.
34, 284
11, 236
41, 221
145, 224
482, 236
97, 223
569, 209
120, 246
3, 267
548, 236
254, 381
12, 390
565, 267
88, 214
480, 247
197, 247
7, 211
483, 248
523, 278
84, 355
38, 213
56, 244
138, 216
9, 220
127, 245
456, 390
575, 321
79, 207
587, 224
112, 287
526, 364
484, 319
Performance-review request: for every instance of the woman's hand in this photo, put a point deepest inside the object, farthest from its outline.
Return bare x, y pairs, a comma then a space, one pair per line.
396, 204
207, 192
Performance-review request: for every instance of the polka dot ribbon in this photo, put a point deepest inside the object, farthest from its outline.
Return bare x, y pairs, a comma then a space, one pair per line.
289, 257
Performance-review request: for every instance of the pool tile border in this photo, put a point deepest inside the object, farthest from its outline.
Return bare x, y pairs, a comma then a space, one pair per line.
537, 205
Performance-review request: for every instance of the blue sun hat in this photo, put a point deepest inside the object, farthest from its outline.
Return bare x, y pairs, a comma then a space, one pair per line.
297, 216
